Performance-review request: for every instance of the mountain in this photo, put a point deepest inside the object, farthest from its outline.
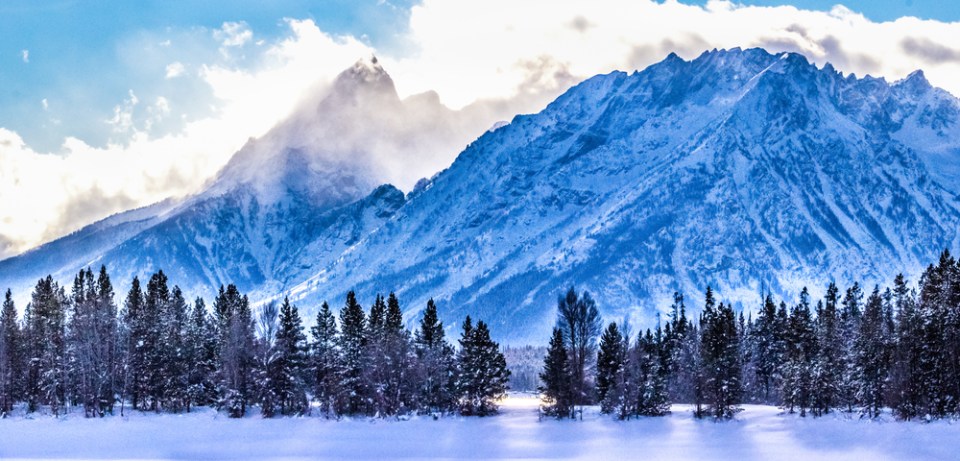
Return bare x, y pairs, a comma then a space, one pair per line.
304, 186
741, 169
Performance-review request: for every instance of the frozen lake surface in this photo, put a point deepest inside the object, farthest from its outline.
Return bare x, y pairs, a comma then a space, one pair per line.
758, 433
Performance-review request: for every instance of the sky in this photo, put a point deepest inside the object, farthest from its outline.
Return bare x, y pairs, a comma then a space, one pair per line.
107, 105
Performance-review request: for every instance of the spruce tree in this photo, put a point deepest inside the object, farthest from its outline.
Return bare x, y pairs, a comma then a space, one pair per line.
437, 360
651, 395
801, 347
827, 365
872, 357
325, 362
11, 365
352, 345
483, 371
288, 382
557, 399
610, 363
46, 347
720, 359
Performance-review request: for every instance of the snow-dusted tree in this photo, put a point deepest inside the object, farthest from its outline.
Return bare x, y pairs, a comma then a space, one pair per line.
611, 359
202, 356
175, 352
437, 363
872, 357
767, 356
282, 360
720, 358
827, 365
800, 352
11, 365
352, 345
483, 373
325, 362
134, 331
652, 398
400, 362
46, 346
907, 386
236, 337
92, 342
556, 398
850, 317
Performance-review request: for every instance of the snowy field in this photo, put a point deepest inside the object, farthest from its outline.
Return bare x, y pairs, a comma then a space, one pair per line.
759, 433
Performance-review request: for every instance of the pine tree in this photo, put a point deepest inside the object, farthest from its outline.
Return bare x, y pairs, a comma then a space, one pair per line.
610, 365
905, 374
720, 359
352, 345
201, 346
483, 371
289, 384
850, 317
769, 347
801, 348
46, 347
872, 357
557, 399
236, 341
11, 365
437, 363
400, 385
651, 396
326, 362
135, 374
829, 359
92, 342
174, 350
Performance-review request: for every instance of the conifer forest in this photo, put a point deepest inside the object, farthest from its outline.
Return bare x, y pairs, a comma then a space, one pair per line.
858, 351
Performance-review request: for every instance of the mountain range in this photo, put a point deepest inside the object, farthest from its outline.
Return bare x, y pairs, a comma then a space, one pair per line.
748, 171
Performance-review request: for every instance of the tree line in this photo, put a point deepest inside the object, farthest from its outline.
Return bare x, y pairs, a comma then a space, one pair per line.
159, 352
854, 352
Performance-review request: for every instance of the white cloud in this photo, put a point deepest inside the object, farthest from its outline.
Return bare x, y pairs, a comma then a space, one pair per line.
234, 34
175, 69
513, 51
25, 55
45, 104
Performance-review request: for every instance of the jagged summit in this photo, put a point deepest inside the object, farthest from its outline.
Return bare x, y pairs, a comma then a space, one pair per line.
742, 169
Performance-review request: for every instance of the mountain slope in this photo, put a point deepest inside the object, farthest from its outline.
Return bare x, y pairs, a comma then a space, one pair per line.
740, 169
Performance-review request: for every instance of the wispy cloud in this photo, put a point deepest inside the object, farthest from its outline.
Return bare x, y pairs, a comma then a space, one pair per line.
25, 56
466, 51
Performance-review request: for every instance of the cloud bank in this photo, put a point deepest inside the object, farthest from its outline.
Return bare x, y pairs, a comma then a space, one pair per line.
512, 55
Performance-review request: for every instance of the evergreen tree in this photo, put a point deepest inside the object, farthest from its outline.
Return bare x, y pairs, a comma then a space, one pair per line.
437, 363
769, 345
400, 360
135, 371
174, 352
288, 380
872, 357
557, 399
11, 365
352, 345
92, 342
850, 317
651, 395
46, 347
801, 348
326, 362
610, 365
236, 341
483, 371
905, 374
201, 347
829, 359
720, 359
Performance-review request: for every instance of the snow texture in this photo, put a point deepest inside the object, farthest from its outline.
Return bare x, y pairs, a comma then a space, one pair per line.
744, 170
758, 433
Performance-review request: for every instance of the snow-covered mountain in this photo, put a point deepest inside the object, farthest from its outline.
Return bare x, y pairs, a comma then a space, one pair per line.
305, 186
741, 169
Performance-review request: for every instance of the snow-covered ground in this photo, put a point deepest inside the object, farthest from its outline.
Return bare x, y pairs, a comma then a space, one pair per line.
758, 433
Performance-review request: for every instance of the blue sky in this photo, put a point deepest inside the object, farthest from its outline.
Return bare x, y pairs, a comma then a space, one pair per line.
111, 104
80, 57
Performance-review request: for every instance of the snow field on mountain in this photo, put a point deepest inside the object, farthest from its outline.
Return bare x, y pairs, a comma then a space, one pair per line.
758, 433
